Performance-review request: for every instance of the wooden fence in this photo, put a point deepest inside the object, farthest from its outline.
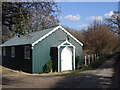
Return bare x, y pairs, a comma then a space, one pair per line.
90, 58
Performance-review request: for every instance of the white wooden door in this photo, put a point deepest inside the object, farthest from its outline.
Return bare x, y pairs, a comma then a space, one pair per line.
66, 59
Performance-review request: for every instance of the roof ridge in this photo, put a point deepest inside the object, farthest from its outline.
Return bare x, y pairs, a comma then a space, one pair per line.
43, 29
36, 37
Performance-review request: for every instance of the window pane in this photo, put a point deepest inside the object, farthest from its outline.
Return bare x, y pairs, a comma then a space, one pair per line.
13, 52
4, 51
27, 52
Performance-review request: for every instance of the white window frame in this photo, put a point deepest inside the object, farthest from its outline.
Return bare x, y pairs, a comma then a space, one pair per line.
4, 51
12, 51
27, 52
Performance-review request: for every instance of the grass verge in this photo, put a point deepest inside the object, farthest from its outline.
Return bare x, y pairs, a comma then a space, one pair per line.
91, 66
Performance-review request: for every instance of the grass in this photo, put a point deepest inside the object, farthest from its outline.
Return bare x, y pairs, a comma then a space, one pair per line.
91, 66
97, 62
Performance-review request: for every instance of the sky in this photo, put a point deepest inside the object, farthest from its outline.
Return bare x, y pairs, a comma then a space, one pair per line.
79, 15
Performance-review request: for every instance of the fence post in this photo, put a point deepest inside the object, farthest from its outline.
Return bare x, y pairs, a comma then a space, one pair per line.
95, 57
89, 59
92, 58
85, 61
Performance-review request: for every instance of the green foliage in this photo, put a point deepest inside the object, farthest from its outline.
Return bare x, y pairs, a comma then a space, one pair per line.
24, 17
99, 61
14, 16
47, 67
21, 23
93, 65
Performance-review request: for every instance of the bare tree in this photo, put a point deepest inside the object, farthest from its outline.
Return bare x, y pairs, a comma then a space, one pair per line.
99, 39
114, 22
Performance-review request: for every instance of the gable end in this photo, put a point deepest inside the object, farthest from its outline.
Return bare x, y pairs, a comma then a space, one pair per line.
54, 31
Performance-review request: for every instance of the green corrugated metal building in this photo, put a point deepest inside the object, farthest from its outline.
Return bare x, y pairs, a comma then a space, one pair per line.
31, 52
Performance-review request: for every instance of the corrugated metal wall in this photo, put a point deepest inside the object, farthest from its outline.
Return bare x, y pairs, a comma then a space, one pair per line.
41, 51
18, 62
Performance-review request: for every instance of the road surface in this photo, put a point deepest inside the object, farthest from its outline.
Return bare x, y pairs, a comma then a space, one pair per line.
103, 77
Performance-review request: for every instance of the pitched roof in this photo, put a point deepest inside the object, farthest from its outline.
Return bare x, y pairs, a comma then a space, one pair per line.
27, 39
34, 37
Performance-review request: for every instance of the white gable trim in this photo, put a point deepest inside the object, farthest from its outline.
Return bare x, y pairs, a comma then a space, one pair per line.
62, 44
71, 36
45, 36
54, 31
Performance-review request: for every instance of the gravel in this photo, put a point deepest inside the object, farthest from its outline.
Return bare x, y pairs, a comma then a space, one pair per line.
103, 77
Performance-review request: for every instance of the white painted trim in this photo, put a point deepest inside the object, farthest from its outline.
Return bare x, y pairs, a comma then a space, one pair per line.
85, 61
62, 44
71, 35
65, 55
32, 47
45, 36
58, 61
74, 57
54, 31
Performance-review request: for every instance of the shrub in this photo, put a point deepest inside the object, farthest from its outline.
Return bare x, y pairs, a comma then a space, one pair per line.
47, 67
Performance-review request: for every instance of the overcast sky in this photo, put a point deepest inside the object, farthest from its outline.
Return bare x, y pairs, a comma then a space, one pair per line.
79, 15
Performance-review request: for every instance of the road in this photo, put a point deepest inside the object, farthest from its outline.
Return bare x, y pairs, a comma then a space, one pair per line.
103, 77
